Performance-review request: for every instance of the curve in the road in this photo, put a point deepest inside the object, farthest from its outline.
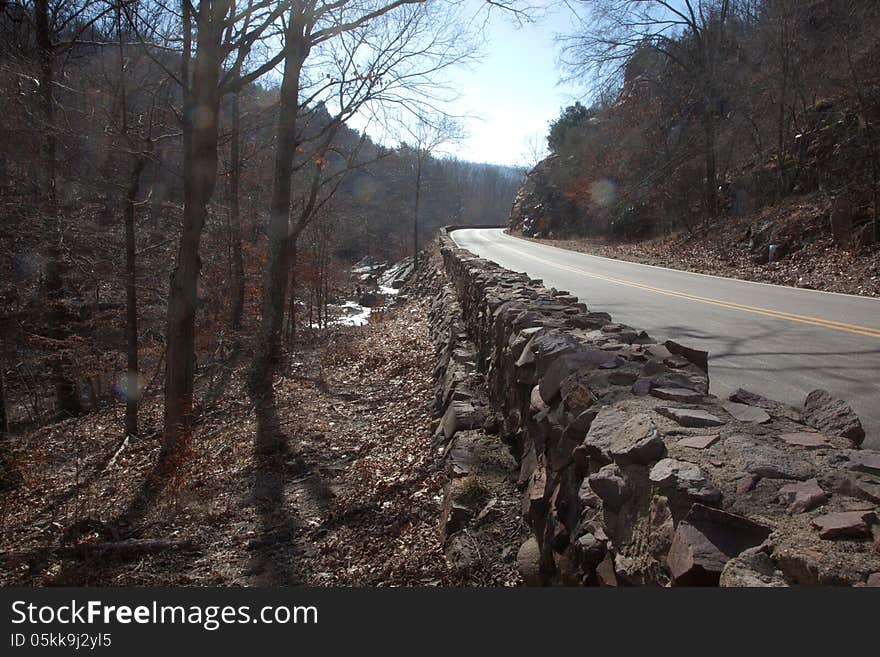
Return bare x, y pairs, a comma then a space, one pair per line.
778, 341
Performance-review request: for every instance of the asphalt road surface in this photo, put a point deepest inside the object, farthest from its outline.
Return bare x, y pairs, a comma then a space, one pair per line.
780, 342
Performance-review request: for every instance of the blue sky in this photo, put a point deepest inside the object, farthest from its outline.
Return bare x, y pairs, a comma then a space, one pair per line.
506, 99
512, 93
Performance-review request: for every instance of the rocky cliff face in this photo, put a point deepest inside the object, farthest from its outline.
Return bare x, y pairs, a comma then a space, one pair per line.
630, 472
540, 206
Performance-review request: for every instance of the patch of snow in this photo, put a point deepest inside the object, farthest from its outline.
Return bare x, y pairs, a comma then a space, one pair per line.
355, 314
390, 291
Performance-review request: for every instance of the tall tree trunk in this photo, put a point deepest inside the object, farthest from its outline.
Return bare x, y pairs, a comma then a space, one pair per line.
235, 215
873, 158
291, 312
416, 210
783, 99
132, 387
278, 258
4, 417
67, 399
46, 55
325, 282
201, 108
711, 167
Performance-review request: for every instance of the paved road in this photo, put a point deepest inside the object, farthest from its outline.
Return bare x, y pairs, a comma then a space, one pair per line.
777, 341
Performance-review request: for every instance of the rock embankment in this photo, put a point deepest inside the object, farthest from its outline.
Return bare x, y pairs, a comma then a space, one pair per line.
631, 473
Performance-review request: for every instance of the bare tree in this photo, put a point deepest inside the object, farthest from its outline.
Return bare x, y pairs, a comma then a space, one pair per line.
426, 133
364, 54
224, 31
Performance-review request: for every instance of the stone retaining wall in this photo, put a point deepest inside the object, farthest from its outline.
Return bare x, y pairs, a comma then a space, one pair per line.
630, 472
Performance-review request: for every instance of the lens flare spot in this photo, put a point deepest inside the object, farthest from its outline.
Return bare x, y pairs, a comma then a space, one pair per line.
131, 386
603, 192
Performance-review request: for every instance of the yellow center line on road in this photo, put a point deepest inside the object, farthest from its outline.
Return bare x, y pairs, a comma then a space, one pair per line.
776, 314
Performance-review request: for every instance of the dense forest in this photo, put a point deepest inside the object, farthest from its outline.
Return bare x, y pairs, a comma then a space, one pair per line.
707, 111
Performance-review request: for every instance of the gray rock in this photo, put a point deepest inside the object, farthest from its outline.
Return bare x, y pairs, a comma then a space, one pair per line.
459, 415
528, 562
684, 477
860, 488
623, 377
743, 396
637, 441
461, 453
590, 549
597, 444
830, 415
564, 366
690, 417
587, 496
745, 413
536, 404
695, 356
548, 347
752, 568
605, 574
864, 461
772, 463
610, 487
681, 395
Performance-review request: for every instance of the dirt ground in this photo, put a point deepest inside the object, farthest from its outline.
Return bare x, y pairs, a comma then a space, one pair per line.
813, 260
330, 482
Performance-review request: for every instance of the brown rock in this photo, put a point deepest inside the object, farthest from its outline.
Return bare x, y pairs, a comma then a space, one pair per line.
847, 524
825, 413
802, 496
745, 413
699, 442
576, 394
690, 417
873, 579
806, 439
706, 540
